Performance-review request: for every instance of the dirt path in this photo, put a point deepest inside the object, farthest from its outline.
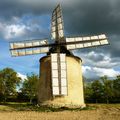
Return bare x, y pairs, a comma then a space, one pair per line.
99, 114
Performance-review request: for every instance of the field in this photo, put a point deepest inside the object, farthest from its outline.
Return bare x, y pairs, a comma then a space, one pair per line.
17, 111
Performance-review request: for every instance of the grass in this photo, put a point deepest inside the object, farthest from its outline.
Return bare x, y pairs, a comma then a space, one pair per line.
26, 111
117, 105
13, 106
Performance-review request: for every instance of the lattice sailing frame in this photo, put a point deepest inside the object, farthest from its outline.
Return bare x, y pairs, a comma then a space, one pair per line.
58, 59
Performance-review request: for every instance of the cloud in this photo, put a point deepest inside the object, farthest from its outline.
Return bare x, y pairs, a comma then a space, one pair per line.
28, 19
26, 27
95, 72
23, 77
98, 59
109, 72
13, 31
91, 16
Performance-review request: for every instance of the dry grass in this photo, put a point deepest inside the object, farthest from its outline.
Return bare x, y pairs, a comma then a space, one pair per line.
102, 112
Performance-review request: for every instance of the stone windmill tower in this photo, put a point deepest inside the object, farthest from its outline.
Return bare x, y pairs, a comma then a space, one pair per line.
60, 81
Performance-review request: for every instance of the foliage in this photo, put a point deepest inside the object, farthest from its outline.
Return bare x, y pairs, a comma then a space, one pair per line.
103, 90
97, 89
29, 87
9, 80
107, 88
88, 92
116, 86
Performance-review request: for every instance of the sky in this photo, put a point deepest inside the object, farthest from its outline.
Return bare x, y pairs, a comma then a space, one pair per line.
30, 19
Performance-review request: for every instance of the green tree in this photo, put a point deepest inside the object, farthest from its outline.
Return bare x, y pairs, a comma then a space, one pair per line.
108, 88
29, 87
116, 88
97, 90
9, 80
88, 92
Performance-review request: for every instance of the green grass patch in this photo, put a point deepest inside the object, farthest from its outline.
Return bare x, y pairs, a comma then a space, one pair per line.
105, 105
13, 106
5, 108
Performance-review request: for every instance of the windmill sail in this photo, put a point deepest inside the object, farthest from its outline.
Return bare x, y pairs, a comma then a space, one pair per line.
59, 87
63, 65
27, 43
85, 42
28, 47
57, 24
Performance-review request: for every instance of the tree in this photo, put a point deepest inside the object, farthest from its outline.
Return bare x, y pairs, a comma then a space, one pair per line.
29, 87
9, 80
107, 87
88, 92
97, 90
116, 88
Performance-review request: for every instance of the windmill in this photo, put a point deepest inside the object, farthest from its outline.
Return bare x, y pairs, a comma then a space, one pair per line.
59, 82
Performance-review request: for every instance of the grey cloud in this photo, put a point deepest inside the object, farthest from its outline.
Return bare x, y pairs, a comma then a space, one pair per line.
11, 8
18, 8
93, 17
81, 17
98, 58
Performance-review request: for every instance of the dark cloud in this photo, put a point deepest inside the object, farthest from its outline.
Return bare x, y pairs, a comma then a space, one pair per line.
81, 17
91, 17
11, 8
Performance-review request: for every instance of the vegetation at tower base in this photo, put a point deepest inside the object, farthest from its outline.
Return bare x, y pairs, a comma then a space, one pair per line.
102, 90
9, 80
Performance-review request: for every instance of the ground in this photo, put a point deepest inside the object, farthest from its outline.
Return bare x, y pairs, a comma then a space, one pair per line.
93, 112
